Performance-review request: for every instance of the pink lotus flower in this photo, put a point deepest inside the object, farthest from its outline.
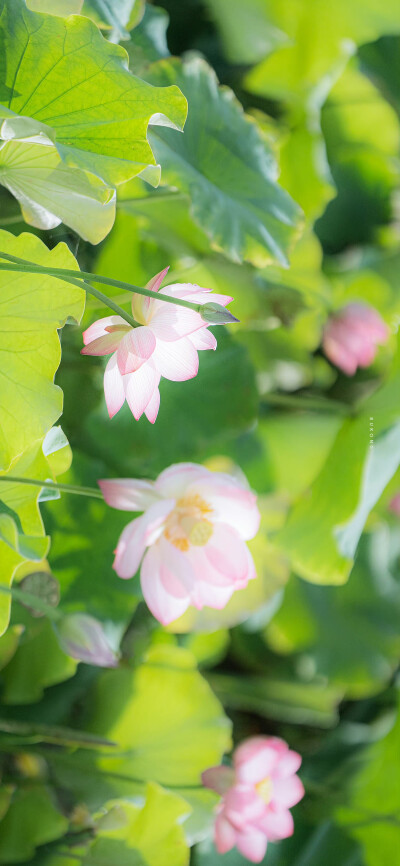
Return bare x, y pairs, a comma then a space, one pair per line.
257, 794
166, 343
191, 537
352, 335
394, 504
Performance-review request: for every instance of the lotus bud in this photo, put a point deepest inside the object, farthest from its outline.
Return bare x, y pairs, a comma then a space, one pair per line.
82, 637
216, 314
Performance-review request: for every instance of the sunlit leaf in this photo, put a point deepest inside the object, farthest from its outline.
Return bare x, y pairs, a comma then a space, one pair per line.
172, 748
319, 38
33, 308
99, 122
315, 536
149, 836
51, 192
55, 7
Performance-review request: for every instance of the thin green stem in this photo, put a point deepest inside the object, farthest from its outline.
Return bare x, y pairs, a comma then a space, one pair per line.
30, 600
76, 281
23, 266
67, 488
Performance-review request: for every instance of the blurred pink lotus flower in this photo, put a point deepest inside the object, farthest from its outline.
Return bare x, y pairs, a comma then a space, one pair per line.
351, 337
394, 504
166, 343
257, 794
192, 537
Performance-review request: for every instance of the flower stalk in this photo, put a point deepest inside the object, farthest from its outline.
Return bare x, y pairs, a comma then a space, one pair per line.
54, 485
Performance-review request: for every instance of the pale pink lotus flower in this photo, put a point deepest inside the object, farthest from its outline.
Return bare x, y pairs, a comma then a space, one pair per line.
394, 504
351, 337
257, 793
166, 343
191, 537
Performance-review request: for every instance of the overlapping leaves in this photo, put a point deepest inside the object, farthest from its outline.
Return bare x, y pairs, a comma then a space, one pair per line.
97, 124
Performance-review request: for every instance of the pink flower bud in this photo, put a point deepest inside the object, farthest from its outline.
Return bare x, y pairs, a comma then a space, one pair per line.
351, 337
394, 504
82, 637
256, 796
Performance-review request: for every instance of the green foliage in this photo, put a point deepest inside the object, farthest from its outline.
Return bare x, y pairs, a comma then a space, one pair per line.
311, 619
34, 810
76, 122
372, 811
104, 768
242, 210
26, 377
150, 836
174, 747
323, 529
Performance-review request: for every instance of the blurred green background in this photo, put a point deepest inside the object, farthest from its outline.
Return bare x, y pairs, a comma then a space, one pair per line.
310, 651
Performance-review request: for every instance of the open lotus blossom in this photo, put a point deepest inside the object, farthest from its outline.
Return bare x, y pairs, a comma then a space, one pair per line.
191, 539
352, 335
257, 793
165, 343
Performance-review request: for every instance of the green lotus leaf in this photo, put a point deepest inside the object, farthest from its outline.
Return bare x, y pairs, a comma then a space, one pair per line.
224, 165
98, 122
28, 541
51, 192
33, 308
149, 836
33, 809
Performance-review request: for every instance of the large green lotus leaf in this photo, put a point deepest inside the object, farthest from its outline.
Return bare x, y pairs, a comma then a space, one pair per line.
33, 308
168, 726
99, 121
51, 192
37, 663
287, 700
365, 613
149, 836
223, 164
164, 717
32, 819
325, 525
320, 36
297, 445
356, 114
371, 813
22, 502
55, 7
